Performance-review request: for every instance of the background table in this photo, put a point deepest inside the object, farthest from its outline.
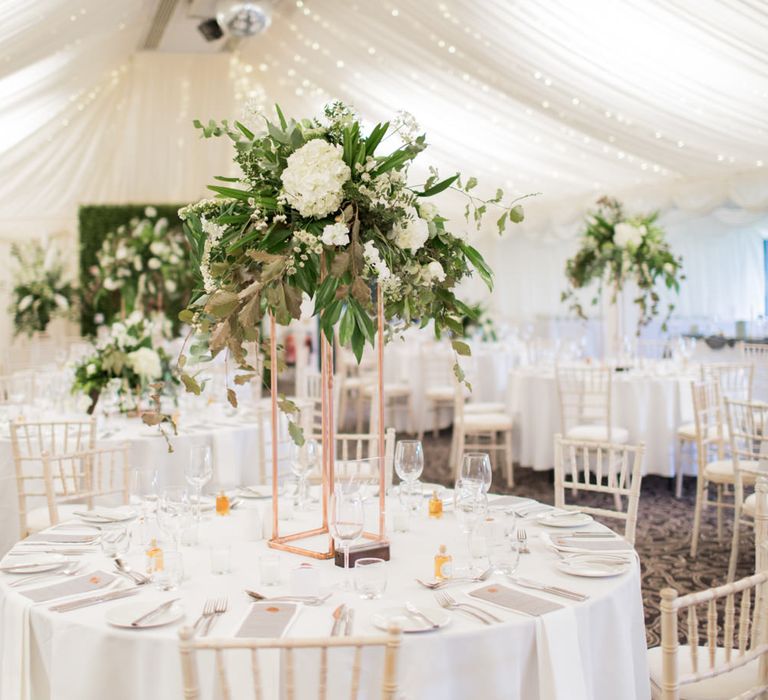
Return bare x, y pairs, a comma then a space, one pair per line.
592, 650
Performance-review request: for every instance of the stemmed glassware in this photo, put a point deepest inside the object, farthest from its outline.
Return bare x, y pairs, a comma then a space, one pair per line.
347, 521
173, 511
198, 473
476, 471
304, 460
470, 504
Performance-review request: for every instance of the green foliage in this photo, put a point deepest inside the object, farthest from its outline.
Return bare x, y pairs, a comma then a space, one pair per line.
95, 223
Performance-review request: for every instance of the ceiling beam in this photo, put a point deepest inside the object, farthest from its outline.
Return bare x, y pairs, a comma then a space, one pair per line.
163, 14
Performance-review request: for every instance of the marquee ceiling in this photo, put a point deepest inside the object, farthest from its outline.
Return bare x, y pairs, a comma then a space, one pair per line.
666, 99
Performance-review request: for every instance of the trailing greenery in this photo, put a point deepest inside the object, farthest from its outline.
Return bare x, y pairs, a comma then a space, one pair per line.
616, 248
96, 223
41, 291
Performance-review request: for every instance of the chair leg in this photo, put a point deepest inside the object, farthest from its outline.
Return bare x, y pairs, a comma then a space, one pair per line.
510, 465
734, 542
700, 497
359, 418
719, 512
679, 468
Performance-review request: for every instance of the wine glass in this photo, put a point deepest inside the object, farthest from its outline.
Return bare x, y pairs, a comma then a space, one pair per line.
409, 460
173, 511
198, 473
304, 459
347, 522
476, 471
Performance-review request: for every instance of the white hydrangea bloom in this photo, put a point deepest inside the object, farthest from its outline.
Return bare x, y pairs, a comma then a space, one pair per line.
151, 212
335, 234
314, 177
146, 363
626, 235
412, 233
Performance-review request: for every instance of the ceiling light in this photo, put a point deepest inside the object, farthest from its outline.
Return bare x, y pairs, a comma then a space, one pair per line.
243, 18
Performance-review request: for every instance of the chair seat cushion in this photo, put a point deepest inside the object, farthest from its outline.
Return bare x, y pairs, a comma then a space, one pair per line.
484, 407
687, 431
37, 518
720, 471
598, 433
440, 393
476, 422
726, 685
393, 390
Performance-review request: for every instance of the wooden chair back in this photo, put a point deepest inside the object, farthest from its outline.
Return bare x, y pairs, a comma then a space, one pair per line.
190, 647
585, 397
748, 434
709, 421
605, 468
734, 378
756, 354
357, 454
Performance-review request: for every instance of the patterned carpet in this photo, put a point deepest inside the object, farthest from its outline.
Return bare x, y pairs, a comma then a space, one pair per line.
663, 531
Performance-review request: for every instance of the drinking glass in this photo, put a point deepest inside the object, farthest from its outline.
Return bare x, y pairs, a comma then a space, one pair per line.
304, 460
142, 488
476, 471
269, 569
115, 540
409, 460
173, 511
198, 473
370, 577
221, 554
170, 576
470, 506
347, 522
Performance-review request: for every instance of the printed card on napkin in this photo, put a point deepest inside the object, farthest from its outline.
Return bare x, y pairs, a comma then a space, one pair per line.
73, 586
597, 545
515, 600
268, 620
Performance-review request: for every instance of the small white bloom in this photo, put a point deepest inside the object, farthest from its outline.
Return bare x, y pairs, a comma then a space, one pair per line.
435, 271
90, 370
61, 301
170, 286
669, 268
138, 265
25, 302
98, 319
122, 252
628, 236
412, 233
110, 284
146, 363
335, 234
174, 259
154, 264
427, 211
151, 212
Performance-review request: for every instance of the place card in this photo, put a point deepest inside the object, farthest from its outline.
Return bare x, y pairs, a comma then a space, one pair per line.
597, 545
73, 586
268, 620
515, 600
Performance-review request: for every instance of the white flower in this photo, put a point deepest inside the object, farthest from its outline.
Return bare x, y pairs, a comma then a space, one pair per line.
412, 233
373, 258
158, 248
427, 211
25, 302
215, 232
110, 284
119, 334
138, 265
150, 212
434, 271
61, 301
146, 363
174, 259
90, 370
628, 236
98, 319
406, 125
335, 234
122, 252
669, 268
154, 264
314, 177
170, 286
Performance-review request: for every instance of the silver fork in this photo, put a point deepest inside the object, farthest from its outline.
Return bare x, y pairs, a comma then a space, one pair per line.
219, 608
522, 538
206, 614
447, 601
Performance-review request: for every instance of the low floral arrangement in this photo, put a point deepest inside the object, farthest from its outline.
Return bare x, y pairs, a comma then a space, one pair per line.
320, 211
147, 262
127, 356
480, 323
41, 291
616, 248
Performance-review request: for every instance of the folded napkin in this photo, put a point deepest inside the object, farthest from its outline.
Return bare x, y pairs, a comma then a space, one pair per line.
513, 599
73, 586
596, 545
61, 539
268, 620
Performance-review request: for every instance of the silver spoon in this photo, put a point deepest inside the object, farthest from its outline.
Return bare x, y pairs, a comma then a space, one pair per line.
306, 599
434, 585
138, 578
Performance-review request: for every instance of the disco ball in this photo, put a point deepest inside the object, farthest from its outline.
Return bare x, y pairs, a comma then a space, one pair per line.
243, 18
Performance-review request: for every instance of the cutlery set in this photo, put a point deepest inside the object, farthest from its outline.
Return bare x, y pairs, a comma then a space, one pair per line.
343, 621
213, 609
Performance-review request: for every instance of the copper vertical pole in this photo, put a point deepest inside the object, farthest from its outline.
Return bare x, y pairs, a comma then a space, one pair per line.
273, 389
382, 489
329, 437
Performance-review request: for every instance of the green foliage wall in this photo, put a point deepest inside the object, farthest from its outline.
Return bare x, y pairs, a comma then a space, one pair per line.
95, 222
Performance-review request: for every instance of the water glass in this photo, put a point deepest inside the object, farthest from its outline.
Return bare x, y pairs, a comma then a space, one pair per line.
304, 460
347, 521
370, 577
269, 569
115, 541
476, 471
221, 558
504, 556
198, 473
409, 459
171, 575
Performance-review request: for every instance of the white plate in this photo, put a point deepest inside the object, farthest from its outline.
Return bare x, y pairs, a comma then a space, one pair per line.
557, 519
103, 516
410, 623
592, 566
123, 615
255, 492
33, 564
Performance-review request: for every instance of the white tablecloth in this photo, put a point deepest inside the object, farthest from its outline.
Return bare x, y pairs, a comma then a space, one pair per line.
234, 442
593, 650
650, 406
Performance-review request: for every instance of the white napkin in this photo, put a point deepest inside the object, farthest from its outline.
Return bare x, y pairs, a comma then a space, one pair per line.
14, 641
557, 649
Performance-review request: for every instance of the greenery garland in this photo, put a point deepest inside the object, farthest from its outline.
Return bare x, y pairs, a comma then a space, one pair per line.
616, 248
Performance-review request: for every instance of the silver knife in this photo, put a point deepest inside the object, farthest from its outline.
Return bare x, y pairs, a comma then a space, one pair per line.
94, 600
563, 592
413, 610
350, 622
153, 613
337, 620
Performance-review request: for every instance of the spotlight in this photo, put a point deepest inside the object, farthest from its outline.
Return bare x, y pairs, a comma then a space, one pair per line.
243, 18
210, 29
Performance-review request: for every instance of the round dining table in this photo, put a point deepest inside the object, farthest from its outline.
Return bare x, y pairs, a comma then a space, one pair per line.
589, 649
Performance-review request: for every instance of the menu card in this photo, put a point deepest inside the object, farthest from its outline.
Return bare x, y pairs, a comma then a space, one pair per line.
515, 600
72, 586
268, 620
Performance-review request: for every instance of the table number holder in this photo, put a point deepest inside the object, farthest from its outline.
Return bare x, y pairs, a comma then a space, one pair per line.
289, 543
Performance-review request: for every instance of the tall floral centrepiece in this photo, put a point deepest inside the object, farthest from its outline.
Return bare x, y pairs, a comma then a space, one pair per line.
616, 249
320, 211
